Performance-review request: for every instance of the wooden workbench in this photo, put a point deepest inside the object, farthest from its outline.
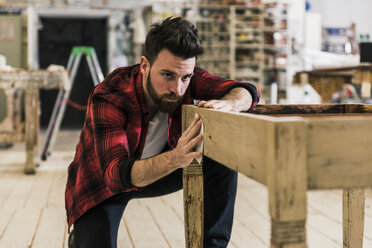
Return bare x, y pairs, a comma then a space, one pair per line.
327, 81
28, 131
290, 149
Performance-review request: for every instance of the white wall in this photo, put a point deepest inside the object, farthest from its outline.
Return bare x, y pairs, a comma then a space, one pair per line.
341, 13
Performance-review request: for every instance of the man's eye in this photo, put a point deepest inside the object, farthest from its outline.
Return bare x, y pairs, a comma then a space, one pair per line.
167, 75
185, 78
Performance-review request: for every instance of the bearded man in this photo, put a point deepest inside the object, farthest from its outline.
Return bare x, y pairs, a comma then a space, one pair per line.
131, 145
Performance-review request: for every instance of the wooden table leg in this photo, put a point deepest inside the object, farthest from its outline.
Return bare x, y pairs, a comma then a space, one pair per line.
193, 199
353, 217
31, 128
287, 184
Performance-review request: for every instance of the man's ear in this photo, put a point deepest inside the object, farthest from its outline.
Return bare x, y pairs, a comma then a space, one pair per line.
144, 65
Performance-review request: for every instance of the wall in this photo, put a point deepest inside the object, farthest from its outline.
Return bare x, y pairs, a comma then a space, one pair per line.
340, 13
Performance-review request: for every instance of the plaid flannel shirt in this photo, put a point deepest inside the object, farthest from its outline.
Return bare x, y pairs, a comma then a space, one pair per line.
114, 134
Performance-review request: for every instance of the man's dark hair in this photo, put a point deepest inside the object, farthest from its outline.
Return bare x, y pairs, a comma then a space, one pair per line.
177, 35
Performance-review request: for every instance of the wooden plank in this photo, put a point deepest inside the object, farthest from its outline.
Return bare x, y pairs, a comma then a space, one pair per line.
328, 230
20, 193
353, 217
142, 227
124, 240
51, 229
21, 229
275, 109
287, 184
9, 179
193, 200
167, 221
193, 196
175, 202
40, 191
6, 214
248, 217
242, 236
31, 132
339, 152
242, 151
57, 191
66, 235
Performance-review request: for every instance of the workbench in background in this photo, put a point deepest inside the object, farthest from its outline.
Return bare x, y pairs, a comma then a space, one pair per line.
327, 81
21, 124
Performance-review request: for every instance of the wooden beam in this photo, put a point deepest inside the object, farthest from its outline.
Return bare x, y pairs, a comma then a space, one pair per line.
31, 132
234, 140
353, 217
193, 196
286, 180
339, 152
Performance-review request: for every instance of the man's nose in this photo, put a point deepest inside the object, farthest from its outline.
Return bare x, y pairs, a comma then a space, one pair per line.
177, 87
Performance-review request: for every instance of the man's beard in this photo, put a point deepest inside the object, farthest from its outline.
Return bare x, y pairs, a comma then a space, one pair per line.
160, 101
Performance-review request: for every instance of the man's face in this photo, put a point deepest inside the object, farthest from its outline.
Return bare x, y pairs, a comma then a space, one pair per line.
167, 80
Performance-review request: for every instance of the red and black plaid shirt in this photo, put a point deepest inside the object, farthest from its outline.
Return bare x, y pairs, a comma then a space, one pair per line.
114, 134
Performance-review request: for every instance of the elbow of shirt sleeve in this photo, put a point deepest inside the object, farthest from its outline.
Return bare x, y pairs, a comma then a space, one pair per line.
125, 170
251, 89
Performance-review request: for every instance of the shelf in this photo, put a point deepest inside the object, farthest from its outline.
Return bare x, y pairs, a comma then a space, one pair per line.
214, 33
249, 77
275, 48
237, 6
249, 23
211, 20
249, 46
280, 68
272, 30
282, 17
248, 63
213, 59
251, 29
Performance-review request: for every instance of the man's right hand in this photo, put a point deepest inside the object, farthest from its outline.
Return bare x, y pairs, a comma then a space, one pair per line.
147, 171
184, 153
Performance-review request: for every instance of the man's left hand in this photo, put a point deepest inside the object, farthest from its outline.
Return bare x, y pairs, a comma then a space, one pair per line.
223, 105
238, 99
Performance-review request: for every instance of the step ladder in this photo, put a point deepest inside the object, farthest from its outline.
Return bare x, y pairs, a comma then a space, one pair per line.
64, 94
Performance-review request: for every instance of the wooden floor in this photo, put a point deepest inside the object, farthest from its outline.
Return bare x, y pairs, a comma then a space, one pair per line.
32, 209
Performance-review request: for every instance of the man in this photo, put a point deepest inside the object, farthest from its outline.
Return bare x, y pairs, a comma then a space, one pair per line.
131, 145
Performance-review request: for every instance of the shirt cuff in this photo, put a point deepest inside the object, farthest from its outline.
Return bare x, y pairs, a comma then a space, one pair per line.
251, 89
125, 171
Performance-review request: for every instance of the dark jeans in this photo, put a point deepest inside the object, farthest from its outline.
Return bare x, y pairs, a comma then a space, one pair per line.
98, 227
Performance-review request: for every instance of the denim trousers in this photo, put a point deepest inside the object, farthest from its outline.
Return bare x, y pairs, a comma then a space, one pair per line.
98, 227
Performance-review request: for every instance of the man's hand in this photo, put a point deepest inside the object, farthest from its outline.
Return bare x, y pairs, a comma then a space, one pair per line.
147, 171
238, 99
223, 105
184, 153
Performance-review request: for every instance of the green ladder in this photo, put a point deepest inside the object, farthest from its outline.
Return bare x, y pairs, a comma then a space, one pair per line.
64, 94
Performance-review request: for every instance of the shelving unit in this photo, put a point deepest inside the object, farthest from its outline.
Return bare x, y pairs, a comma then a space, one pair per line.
255, 41
247, 46
233, 40
276, 44
213, 22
